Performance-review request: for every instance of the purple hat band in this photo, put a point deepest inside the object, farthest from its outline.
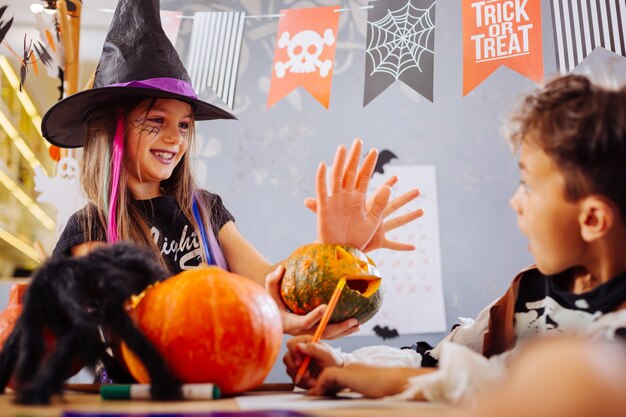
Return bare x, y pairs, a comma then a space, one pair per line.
171, 85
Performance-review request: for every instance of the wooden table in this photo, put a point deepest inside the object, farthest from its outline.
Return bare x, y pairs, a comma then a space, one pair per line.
93, 403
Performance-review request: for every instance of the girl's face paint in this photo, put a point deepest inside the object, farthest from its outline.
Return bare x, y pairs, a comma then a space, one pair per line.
155, 143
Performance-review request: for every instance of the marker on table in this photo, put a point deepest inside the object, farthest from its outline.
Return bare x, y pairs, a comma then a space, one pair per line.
142, 391
320, 327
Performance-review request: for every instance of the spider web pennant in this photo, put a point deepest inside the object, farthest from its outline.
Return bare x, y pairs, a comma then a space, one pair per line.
400, 46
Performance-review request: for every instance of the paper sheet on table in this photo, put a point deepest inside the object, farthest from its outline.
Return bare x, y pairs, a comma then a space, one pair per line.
300, 401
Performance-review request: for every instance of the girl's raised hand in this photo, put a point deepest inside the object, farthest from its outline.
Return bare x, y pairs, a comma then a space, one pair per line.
343, 216
294, 324
379, 239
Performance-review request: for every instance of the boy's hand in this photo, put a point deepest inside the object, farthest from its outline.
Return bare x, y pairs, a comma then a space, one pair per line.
342, 214
294, 324
379, 239
322, 356
371, 381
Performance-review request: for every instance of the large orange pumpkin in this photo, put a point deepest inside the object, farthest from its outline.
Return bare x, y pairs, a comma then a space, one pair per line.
210, 326
313, 271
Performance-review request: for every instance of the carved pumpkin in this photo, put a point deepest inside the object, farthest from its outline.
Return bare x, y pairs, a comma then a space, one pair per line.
210, 326
313, 271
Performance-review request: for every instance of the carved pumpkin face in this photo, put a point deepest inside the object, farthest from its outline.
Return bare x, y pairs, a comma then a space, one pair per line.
210, 326
313, 271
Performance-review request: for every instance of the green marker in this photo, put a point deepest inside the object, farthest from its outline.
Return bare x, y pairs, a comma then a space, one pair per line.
142, 391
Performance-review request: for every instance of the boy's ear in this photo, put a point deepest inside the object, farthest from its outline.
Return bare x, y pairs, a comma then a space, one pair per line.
596, 218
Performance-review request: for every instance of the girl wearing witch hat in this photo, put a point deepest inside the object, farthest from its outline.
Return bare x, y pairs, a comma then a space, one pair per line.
136, 125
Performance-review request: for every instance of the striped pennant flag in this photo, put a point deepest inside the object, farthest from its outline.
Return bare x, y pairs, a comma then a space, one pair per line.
215, 49
582, 26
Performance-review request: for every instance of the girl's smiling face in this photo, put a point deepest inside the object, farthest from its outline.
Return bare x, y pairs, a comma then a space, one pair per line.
157, 138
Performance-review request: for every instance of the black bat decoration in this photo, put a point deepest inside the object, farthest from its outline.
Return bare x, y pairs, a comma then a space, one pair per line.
4, 27
24, 67
30, 50
43, 54
383, 159
385, 332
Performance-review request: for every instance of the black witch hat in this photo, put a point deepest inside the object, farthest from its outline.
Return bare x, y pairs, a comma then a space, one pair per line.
138, 60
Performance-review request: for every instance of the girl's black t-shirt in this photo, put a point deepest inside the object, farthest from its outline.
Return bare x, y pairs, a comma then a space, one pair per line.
172, 232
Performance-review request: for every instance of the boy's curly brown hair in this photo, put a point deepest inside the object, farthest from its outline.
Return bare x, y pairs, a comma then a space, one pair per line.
581, 126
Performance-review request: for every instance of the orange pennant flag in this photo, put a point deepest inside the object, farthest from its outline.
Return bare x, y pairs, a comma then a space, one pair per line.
501, 32
305, 53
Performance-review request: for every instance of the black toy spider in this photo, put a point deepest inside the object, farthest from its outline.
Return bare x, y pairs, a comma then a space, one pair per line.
72, 297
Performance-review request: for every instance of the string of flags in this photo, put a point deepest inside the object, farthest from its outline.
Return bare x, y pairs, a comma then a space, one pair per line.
399, 46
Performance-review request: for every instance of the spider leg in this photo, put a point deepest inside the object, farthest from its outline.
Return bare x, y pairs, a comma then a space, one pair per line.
82, 339
8, 357
77, 338
31, 324
50, 304
163, 385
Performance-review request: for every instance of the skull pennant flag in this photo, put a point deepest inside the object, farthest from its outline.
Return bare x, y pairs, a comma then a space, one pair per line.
582, 26
501, 32
215, 49
305, 53
400, 46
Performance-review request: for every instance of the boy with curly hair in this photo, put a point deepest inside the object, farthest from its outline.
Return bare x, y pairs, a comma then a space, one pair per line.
571, 205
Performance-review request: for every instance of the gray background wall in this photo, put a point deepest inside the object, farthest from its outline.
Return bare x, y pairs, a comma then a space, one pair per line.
264, 164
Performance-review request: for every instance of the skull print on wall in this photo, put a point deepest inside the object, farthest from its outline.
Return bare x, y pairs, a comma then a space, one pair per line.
304, 50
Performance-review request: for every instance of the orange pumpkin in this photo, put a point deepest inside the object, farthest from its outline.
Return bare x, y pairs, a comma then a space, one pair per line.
9, 316
313, 271
210, 326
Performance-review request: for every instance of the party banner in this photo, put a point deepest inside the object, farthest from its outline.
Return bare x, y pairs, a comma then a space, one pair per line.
305, 53
400, 46
214, 52
582, 26
501, 32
